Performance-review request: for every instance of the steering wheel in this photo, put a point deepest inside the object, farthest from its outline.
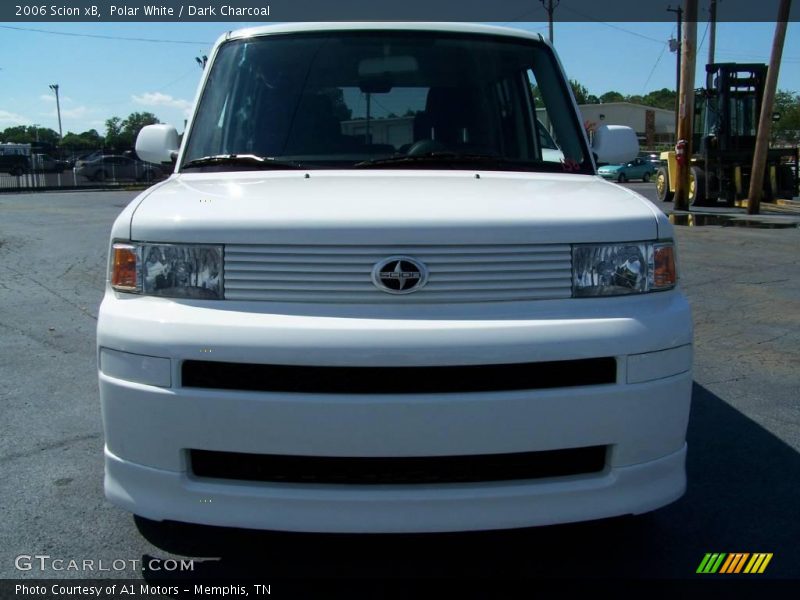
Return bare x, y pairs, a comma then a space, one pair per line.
422, 147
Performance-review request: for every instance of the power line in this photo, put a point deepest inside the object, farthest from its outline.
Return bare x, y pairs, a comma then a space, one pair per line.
160, 89
653, 70
176, 80
700, 45
628, 31
102, 37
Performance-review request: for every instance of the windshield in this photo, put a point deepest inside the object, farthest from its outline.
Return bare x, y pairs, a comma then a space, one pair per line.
394, 99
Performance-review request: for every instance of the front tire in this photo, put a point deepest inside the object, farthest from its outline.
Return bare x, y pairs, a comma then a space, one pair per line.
662, 185
697, 187
622, 178
646, 177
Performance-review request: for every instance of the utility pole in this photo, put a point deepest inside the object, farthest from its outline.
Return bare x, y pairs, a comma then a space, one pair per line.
676, 47
54, 87
550, 6
765, 119
712, 30
686, 98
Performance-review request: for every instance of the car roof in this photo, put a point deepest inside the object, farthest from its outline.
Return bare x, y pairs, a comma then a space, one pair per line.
380, 26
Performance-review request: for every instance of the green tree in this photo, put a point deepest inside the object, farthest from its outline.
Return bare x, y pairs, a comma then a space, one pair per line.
787, 128
663, 98
113, 132
88, 140
612, 96
134, 123
537, 95
580, 92
28, 134
121, 134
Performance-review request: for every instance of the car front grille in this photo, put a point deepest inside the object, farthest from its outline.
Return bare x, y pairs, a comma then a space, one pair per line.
342, 273
397, 470
398, 380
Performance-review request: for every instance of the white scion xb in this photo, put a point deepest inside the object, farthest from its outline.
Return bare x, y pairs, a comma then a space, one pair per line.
384, 290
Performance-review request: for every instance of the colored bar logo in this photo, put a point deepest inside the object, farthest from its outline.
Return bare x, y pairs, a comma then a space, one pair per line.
736, 562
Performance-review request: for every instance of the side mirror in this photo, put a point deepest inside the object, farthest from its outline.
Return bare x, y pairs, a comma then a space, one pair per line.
157, 143
615, 144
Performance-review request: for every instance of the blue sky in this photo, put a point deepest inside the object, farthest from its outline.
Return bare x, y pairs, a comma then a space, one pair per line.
100, 77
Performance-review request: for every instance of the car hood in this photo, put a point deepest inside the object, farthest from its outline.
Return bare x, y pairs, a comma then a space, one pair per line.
609, 168
391, 207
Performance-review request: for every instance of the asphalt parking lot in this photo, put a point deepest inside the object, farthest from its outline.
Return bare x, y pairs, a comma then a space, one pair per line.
744, 432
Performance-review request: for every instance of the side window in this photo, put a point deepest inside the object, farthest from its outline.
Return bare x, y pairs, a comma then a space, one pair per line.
545, 139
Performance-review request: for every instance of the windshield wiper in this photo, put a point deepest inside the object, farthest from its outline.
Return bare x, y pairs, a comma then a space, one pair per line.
242, 160
436, 157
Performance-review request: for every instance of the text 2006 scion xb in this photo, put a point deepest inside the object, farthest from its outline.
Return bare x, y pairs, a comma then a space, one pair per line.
384, 290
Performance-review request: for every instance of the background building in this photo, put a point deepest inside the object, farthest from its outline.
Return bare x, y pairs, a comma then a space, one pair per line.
653, 126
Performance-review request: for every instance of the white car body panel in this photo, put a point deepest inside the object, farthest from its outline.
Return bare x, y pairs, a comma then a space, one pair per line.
330, 207
153, 419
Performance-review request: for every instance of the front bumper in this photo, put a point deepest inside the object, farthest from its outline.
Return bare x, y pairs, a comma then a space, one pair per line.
151, 420
167, 495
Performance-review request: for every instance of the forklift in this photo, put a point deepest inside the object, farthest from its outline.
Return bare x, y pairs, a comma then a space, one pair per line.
726, 114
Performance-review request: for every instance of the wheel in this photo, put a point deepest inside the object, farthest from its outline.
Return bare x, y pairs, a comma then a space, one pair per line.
646, 177
100, 176
622, 178
697, 186
662, 185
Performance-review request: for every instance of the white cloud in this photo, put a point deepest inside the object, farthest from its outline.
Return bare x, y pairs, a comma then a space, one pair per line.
159, 99
9, 118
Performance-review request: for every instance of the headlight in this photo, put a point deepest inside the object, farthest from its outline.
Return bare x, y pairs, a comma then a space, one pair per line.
171, 270
617, 269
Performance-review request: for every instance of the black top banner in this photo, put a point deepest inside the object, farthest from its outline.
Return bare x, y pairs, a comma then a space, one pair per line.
508, 11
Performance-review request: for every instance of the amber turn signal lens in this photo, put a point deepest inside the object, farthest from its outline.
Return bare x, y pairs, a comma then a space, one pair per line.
664, 275
124, 275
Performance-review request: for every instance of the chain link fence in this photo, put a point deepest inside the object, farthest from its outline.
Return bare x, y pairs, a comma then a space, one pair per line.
42, 172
